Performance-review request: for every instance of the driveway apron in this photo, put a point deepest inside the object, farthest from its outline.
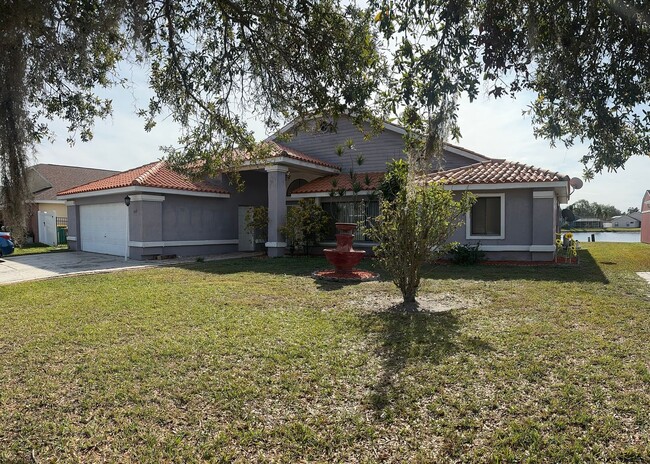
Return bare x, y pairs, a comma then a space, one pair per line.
41, 266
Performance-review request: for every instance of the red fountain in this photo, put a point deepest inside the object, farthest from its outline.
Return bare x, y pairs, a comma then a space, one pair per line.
344, 258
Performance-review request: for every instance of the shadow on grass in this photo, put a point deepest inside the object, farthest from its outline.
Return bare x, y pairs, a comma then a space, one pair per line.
299, 266
587, 271
412, 338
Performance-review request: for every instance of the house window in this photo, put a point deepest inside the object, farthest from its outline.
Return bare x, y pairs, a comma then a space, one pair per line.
486, 219
295, 185
348, 211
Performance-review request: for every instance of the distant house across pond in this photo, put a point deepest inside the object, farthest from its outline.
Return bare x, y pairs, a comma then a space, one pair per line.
587, 223
627, 221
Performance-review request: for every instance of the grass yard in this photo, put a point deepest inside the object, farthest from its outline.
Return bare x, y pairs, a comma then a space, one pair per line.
37, 248
253, 361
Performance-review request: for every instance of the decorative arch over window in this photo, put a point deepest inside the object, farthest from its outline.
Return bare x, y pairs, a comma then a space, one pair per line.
294, 185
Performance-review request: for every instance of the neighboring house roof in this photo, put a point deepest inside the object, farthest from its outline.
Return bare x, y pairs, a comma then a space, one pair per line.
326, 184
588, 220
45, 180
496, 172
154, 175
636, 215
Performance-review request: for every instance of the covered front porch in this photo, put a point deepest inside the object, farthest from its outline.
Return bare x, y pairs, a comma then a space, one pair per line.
286, 172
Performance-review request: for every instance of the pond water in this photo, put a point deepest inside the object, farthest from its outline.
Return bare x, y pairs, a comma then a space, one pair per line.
608, 236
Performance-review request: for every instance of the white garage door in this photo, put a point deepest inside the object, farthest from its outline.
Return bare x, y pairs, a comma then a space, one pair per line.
103, 228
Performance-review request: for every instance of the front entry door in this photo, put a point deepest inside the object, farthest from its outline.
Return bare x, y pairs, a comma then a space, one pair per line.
246, 238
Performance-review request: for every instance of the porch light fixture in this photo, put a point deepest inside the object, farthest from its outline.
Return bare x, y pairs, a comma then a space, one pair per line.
127, 200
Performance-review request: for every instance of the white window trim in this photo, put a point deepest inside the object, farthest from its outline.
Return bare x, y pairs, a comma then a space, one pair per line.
468, 219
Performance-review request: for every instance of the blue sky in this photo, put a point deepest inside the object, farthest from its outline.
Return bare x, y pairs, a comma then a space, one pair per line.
495, 128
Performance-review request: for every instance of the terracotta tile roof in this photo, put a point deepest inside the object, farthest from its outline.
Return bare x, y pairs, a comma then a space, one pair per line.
281, 150
496, 172
45, 180
277, 150
324, 184
154, 175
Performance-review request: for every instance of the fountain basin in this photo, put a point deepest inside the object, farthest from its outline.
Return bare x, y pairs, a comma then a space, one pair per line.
347, 227
344, 261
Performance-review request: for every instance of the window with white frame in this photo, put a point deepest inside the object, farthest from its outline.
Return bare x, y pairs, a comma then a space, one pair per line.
486, 219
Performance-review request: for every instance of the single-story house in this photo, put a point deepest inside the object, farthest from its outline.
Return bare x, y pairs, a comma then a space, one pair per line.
516, 215
626, 221
645, 217
587, 223
45, 180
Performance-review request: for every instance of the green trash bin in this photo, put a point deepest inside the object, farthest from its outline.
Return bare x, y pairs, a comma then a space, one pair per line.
62, 235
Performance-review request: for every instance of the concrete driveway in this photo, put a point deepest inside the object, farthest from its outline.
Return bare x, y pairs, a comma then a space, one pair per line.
41, 266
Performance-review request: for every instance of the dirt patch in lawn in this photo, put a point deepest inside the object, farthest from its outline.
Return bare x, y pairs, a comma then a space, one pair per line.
426, 303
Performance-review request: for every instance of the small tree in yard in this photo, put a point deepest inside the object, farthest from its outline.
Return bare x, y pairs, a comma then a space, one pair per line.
413, 229
306, 223
257, 222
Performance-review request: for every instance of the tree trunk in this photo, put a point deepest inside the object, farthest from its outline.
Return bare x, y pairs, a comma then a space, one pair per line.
409, 297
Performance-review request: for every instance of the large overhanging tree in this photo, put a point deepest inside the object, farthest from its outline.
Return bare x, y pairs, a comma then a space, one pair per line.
209, 61
587, 62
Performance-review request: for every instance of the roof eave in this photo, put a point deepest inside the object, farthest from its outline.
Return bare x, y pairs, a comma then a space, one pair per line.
140, 189
291, 162
561, 188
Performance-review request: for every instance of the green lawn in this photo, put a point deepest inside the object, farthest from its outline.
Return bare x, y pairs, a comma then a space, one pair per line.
253, 361
37, 248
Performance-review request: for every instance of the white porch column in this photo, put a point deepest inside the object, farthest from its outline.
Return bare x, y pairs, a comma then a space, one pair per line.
277, 185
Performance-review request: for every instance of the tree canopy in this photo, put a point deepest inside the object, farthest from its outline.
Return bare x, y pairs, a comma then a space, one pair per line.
588, 62
212, 61
586, 209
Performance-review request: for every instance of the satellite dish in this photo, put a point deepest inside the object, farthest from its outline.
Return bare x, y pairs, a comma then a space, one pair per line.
576, 183
568, 215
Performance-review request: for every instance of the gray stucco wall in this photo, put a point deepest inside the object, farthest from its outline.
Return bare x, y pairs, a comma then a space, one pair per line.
518, 219
181, 218
139, 253
451, 161
73, 227
377, 151
197, 218
145, 221
529, 222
